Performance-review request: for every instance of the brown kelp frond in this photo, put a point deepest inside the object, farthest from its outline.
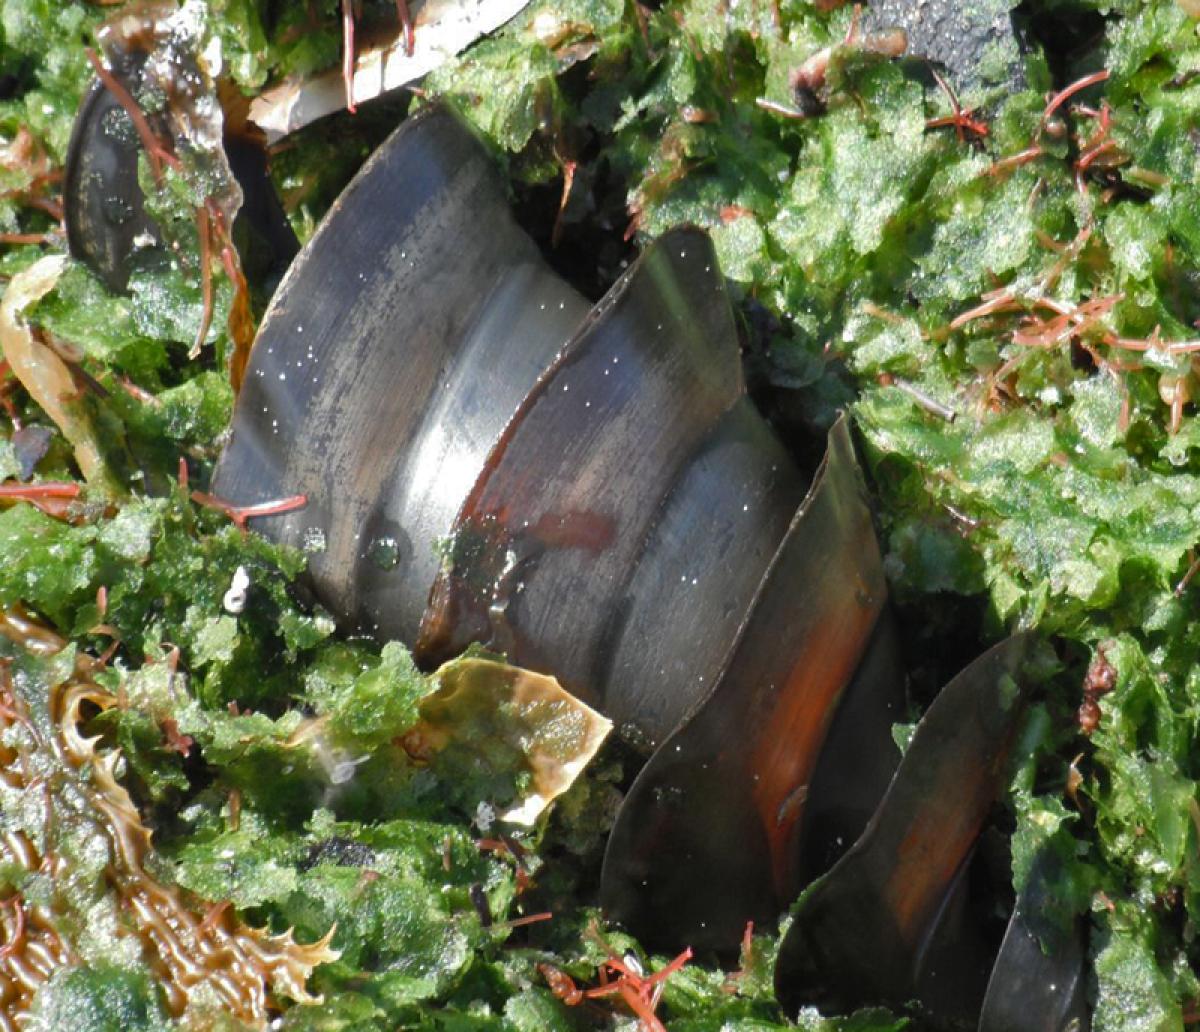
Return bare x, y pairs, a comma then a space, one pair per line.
58, 788
44, 374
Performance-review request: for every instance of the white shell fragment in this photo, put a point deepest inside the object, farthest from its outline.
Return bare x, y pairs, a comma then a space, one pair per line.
441, 29
235, 598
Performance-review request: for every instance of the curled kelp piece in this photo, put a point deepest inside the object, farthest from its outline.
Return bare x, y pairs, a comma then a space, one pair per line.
43, 372
510, 721
881, 926
611, 509
1038, 983
739, 769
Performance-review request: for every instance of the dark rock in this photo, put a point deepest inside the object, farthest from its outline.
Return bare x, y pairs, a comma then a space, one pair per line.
977, 42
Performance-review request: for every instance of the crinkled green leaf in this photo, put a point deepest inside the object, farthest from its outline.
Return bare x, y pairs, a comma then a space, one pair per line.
1133, 995
367, 707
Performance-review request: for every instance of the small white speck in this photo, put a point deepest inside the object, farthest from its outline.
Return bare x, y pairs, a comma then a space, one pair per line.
343, 770
485, 814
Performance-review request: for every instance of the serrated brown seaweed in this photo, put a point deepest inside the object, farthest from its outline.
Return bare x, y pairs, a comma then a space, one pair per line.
200, 955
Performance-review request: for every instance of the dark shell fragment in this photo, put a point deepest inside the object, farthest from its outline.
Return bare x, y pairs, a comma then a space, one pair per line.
30, 444
104, 207
1038, 982
103, 203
